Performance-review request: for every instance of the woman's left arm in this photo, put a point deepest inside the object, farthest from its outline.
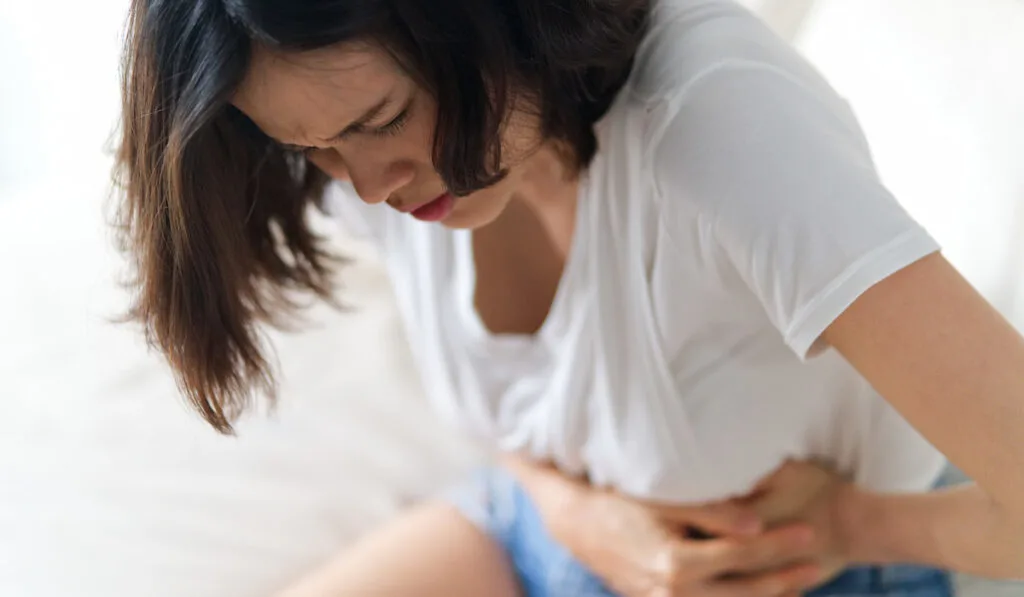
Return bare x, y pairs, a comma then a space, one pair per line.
954, 368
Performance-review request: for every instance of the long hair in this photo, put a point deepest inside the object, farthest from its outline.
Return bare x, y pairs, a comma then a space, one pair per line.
214, 213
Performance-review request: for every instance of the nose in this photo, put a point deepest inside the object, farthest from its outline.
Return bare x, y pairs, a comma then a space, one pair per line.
377, 183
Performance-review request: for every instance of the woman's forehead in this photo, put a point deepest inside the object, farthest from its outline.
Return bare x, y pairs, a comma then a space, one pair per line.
303, 98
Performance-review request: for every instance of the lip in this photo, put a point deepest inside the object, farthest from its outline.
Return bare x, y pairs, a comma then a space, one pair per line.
436, 210
406, 209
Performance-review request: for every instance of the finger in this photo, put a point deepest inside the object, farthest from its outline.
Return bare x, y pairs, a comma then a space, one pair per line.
792, 580
773, 549
778, 548
723, 519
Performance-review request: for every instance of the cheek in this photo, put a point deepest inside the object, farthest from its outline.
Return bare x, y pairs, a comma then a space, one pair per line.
420, 131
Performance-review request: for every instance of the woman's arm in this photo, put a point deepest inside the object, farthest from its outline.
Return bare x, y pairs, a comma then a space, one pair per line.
944, 358
959, 528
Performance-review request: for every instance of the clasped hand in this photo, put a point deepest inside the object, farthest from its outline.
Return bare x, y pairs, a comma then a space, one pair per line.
780, 541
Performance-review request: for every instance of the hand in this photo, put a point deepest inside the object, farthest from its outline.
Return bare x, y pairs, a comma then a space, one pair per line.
643, 551
809, 493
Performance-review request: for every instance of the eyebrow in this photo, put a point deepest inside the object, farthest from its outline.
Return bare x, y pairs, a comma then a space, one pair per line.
357, 126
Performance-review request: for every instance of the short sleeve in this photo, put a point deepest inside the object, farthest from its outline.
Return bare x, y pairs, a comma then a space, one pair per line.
782, 180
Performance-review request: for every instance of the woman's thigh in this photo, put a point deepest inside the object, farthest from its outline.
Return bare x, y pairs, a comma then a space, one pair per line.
432, 551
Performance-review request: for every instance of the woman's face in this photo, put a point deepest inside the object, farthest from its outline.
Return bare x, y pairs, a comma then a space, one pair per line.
361, 119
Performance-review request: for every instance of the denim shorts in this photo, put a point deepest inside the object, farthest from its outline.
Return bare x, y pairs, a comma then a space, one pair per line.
496, 502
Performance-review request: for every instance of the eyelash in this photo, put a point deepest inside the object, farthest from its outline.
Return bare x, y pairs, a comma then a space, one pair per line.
394, 127
387, 130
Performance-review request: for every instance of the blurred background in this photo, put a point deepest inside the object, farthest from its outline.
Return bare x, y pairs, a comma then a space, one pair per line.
110, 487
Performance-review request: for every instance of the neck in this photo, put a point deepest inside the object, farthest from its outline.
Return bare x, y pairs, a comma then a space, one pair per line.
549, 189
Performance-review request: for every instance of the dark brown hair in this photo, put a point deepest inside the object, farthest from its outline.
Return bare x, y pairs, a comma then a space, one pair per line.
214, 213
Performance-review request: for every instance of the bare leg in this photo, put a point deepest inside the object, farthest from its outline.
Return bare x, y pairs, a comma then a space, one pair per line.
432, 551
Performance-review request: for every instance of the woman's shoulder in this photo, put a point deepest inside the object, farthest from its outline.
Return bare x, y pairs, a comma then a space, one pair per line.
689, 39
716, 97
712, 84
749, 151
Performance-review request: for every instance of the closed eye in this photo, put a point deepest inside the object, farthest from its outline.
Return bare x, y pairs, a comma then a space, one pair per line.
394, 127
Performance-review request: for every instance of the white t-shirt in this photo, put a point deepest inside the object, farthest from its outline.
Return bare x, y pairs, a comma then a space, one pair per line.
731, 214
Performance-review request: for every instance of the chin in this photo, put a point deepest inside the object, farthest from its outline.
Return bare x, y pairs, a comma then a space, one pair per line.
474, 215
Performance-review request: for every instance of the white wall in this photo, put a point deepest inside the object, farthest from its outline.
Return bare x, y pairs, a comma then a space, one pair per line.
939, 87
59, 98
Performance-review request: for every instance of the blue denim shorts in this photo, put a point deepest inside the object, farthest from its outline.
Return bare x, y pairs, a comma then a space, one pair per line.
496, 502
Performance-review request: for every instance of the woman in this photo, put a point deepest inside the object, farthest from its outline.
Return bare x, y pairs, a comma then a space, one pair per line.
638, 244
